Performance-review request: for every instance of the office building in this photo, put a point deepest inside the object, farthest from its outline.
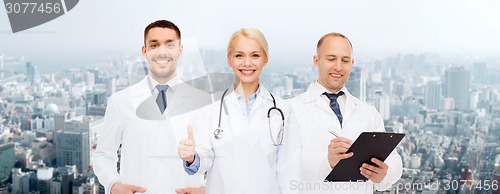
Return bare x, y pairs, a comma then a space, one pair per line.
456, 85
356, 84
7, 161
433, 95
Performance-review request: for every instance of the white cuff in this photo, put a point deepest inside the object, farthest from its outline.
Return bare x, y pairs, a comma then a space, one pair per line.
110, 185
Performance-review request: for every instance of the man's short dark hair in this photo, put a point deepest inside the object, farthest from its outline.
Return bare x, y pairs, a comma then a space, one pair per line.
162, 24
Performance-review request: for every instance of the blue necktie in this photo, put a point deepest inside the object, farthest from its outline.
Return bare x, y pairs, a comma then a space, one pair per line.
161, 100
334, 105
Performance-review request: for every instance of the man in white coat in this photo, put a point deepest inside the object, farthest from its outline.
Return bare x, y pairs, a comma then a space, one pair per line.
327, 106
146, 120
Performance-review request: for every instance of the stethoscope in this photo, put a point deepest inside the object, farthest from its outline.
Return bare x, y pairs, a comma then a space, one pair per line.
218, 133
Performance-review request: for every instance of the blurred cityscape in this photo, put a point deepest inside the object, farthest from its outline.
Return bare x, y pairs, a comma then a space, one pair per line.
449, 109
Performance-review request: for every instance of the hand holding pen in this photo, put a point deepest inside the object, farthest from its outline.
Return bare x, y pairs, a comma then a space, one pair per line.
337, 149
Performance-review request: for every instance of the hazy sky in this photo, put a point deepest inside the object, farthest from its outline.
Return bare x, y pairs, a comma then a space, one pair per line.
98, 30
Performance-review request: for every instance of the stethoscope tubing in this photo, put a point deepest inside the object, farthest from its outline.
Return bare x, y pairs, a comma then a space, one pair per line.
218, 132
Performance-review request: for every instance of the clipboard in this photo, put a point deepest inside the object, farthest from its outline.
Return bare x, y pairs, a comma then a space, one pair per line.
368, 145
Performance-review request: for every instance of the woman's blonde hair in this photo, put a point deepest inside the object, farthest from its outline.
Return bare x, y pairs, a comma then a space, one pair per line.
251, 33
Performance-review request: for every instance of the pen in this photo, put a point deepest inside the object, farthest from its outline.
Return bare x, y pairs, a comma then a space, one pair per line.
334, 134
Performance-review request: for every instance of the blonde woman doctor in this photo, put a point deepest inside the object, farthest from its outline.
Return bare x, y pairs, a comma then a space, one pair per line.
233, 140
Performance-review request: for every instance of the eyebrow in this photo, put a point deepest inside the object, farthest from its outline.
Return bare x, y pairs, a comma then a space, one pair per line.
152, 41
253, 52
338, 56
155, 41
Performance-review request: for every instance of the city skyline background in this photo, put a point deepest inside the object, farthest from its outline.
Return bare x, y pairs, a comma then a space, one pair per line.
432, 70
98, 31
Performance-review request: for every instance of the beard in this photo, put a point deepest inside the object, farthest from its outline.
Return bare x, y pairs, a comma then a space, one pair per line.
163, 74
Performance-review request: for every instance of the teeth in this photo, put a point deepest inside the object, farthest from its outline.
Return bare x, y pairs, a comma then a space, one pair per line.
335, 75
162, 61
246, 72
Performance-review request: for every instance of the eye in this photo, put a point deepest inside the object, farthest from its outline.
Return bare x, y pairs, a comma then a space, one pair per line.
170, 45
345, 61
331, 59
153, 45
238, 56
255, 55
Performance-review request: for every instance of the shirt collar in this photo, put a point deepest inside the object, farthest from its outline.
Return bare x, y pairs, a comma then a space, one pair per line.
252, 97
318, 90
172, 83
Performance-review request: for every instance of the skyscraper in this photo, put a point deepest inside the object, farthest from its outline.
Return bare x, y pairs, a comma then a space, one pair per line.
110, 86
72, 148
55, 186
7, 160
456, 85
474, 100
288, 83
356, 84
383, 104
20, 181
73, 144
31, 73
43, 177
90, 79
66, 176
59, 119
433, 95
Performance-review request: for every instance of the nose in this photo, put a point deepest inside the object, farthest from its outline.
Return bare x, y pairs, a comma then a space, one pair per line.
162, 49
247, 61
337, 65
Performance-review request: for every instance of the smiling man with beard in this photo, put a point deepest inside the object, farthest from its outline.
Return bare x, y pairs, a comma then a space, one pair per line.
147, 120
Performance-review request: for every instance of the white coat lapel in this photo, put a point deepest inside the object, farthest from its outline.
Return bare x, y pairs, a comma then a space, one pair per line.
235, 115
140, 92
181, 96
185, 99
144, 102
312, 96
263, 96
322, 105
350, 105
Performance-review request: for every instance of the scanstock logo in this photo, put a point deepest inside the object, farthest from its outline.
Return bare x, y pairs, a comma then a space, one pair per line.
26, 14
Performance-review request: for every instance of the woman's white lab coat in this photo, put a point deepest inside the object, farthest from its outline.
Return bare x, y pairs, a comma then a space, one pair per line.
245, 159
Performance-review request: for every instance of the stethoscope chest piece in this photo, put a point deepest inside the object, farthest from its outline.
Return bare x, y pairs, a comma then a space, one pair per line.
218, 133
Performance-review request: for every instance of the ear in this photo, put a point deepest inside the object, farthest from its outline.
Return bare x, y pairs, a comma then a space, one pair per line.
265, 61
144, 51
315, 60
181, 50
228, 60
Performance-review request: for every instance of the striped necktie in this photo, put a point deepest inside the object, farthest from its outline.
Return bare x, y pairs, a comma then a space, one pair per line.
334, 105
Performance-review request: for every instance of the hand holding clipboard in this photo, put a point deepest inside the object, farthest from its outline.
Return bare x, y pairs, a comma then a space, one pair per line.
367, 146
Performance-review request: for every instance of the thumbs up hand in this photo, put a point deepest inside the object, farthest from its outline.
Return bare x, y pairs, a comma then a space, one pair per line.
187, 147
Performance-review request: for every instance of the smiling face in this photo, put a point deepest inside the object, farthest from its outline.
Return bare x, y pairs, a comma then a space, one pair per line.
334, 62
247, 58
162, 51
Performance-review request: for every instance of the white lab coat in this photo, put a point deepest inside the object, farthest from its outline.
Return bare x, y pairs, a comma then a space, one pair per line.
314, 119
244, 161
149, 156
